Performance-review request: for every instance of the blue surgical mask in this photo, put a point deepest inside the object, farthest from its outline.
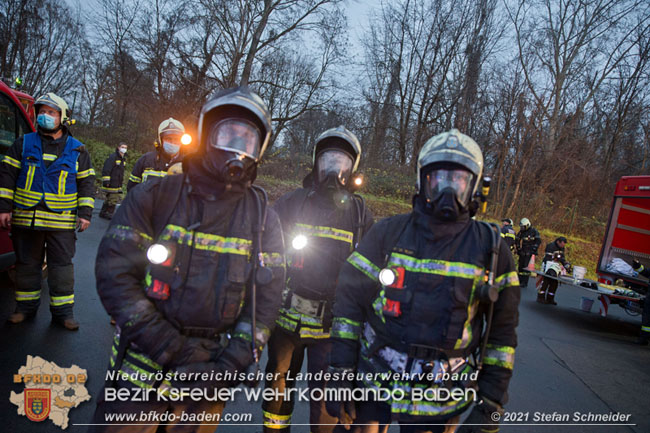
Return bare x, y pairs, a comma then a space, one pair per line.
170, 148
46, 122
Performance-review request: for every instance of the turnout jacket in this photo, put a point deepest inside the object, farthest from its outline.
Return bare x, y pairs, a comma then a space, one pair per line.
150, 165
210, 241
332, 231
552, 248
433, 305
113, 172
528, 241
50, 184
508, 235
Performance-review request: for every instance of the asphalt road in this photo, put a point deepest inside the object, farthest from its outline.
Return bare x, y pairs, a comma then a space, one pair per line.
567, 361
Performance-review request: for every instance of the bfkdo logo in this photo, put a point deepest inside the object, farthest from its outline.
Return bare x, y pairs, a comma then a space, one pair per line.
37, 404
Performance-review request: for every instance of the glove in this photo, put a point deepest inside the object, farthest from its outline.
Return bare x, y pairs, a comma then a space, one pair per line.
636, 264
485, 415
567, 266
234, 358
345, 411
106, 183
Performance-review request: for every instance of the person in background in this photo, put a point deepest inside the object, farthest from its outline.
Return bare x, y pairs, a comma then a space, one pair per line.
113, 180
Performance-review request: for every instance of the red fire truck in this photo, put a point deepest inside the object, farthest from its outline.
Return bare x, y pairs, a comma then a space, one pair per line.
627, 236
16, 119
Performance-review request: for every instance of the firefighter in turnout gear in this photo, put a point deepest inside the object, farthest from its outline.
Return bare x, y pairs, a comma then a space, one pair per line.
167, 153
554, 264
644, 335
46, 191
322, 222
191, 267
413, 299
527, 243
508, 234
113, 180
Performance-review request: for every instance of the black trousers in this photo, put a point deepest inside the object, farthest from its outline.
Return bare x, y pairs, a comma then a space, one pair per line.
375, 417
286, 354
30, 247
524, 260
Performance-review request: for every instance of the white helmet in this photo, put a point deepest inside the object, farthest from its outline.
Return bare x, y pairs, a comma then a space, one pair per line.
56, 102
170, 126
524, 224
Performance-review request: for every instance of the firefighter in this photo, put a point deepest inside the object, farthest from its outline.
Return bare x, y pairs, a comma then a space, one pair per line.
112, 180
527, 243
191, 266
508, 234
644, 335
48, 180
166, 154
322, 222
554, 263
412, 299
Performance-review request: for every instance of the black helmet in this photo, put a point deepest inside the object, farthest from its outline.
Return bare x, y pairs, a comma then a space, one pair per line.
234, 132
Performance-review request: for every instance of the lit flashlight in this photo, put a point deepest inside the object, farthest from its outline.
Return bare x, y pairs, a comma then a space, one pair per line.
387, 276
358, 180
186, 139
299, 242
157, 254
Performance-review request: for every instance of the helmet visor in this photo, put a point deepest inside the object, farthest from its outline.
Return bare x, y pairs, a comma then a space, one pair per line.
461, 181
236, 135
337, 162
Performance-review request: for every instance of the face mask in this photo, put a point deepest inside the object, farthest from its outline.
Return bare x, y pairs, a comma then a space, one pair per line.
170, 148
122, 151
446, 206
229, 167
46, 122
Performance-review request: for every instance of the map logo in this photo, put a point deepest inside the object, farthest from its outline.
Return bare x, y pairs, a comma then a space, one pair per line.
50, 391
37, 404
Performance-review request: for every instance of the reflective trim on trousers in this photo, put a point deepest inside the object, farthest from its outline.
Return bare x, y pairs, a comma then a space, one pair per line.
28, 296
56, 301
275, 421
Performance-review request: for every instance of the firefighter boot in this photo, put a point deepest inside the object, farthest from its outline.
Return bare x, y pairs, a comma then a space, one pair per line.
550, 298
19, 317
541, 297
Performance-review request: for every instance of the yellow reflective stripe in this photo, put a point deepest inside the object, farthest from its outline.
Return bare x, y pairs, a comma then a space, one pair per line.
364, 265
106, 189
87, 201
66, 216
145, 360
510, 279
206, 241
9, 160
275, 421
28, 194
56, 301
501, 356
135, 179
7, 193
49, 157
28, 296
62, 176
53, 224
153, 173
106, 178
30, 177
437, 267
85, 173
273, 259
327, 232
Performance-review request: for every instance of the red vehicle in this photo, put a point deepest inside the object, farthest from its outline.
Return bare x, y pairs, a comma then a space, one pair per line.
15, 121
628, 231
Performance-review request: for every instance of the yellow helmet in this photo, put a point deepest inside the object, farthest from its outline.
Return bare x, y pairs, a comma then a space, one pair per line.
170, 126
52, 100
